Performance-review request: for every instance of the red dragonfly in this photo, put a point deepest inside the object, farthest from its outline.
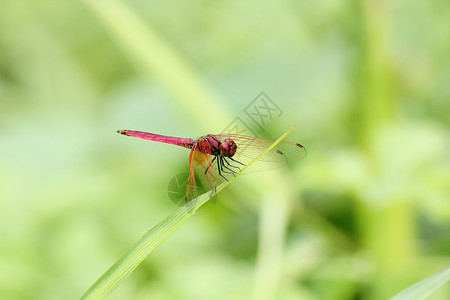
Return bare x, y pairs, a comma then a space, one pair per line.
226, 154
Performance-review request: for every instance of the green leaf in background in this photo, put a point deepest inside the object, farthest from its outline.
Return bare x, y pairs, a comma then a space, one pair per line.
118, 272
425, 287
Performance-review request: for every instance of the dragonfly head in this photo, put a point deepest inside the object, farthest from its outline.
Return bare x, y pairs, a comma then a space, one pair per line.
228, 148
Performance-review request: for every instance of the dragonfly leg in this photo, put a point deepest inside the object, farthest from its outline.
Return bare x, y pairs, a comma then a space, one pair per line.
219, 168
225, 168
213, 186
232, 172
230, 165
209, 165
236, 161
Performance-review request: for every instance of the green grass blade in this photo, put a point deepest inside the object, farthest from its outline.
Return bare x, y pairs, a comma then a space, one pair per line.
118, 272
425, 287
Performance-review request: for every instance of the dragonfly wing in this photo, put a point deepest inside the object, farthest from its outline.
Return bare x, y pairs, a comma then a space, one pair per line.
191, 187
249, 148
202, 165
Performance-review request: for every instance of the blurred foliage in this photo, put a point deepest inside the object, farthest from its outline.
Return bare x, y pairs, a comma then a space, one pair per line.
365, 215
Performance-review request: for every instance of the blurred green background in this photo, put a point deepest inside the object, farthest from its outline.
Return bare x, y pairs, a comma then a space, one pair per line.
367, 84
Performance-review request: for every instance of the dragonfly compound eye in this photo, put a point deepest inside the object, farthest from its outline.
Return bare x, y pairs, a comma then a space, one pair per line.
228, 148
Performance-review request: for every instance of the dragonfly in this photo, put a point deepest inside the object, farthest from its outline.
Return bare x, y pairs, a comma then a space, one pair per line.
219, 157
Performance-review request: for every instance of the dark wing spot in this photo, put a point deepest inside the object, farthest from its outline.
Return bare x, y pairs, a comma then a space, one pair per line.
279, 152
298, 145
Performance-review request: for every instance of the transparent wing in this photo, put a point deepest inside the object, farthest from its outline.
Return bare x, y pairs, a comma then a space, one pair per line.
191, 187
202, 174
248, 148
212, 170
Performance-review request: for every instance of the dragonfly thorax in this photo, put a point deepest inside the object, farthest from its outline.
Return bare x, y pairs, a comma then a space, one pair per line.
228, 148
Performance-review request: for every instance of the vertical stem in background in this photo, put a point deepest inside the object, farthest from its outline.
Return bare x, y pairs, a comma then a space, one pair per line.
153, 56
376, 99
386, 224
272, 231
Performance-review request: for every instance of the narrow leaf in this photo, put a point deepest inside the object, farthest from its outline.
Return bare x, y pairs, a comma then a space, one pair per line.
425, 287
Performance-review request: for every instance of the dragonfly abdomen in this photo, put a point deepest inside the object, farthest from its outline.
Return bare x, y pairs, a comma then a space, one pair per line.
183, 142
